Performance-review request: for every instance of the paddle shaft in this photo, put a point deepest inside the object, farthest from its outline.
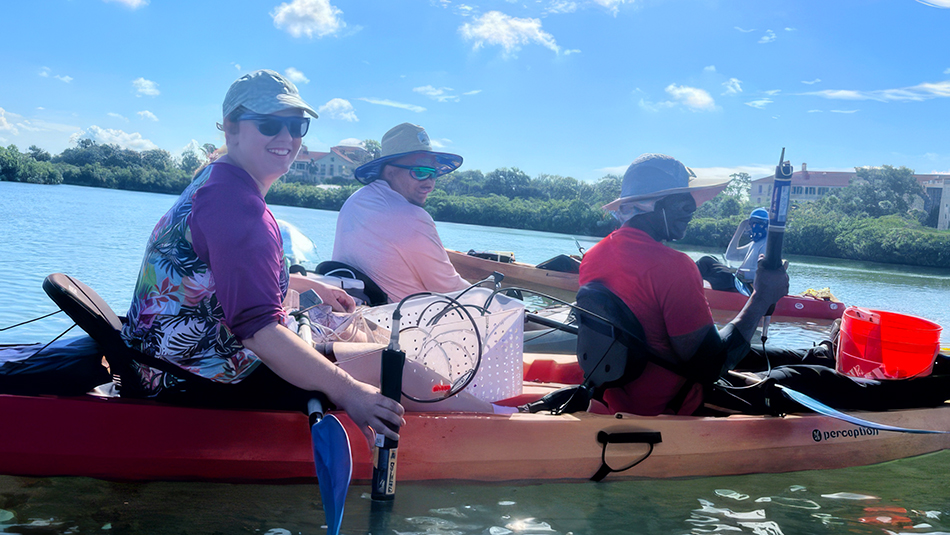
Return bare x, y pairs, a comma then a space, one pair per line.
384, 466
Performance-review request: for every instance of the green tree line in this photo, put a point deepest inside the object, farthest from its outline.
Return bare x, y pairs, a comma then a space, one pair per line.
879, 217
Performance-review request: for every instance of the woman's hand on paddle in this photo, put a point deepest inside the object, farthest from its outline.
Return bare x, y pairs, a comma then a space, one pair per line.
371, 411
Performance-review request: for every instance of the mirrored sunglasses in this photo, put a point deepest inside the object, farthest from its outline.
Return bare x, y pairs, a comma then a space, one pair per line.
271, 125
418, 172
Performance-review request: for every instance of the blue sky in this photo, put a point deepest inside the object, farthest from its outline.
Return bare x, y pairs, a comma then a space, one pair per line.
571, 87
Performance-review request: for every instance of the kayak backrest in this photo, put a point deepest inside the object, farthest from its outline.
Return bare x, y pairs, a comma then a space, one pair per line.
84, 306
374, 295
612, 352
93, 315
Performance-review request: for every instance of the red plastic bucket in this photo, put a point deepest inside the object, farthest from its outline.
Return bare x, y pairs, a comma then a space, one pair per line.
875, 344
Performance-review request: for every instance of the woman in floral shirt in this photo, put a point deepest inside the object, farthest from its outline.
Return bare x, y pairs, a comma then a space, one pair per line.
209, 295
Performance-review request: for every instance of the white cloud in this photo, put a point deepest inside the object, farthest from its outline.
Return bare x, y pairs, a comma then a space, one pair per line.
308, 17
944, 4
440, 144
768, 37
350, 142
296, 76
145, 87
561, 6
195, 148
465, 10
28, 126
844, 111
496, 28
394, 104
134, 4
340, 109
815, 81
733, 86
145, 114
692, 97
709, 68
946, 71
435, 93
612, 5
127, 140
118, 116
45, 72
772, 92
760, 103
572, 51
744, 31
919, 92
790, 29
44, 126
472, 92
570, 6
815, 111
5, 123
654, 106
236, 65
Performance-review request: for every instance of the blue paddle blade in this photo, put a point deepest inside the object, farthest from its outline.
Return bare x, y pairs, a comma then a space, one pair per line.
819, 407
334, 463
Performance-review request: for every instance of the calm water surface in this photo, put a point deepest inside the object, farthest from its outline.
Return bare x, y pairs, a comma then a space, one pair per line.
99, 236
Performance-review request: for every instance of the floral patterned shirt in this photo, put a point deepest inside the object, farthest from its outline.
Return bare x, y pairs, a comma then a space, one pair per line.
213, 274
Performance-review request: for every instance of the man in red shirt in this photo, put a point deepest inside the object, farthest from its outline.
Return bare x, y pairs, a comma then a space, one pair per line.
664, 290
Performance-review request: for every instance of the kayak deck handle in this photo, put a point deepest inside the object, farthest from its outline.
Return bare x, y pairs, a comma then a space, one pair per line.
650, 438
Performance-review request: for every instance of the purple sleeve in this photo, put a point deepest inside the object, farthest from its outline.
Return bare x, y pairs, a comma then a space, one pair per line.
236, 235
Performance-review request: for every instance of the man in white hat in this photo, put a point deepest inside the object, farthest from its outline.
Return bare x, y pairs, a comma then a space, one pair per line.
664, 290
382, 229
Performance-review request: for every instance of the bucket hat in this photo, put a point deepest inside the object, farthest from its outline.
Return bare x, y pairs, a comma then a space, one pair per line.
654, 176
264, 92
402, 140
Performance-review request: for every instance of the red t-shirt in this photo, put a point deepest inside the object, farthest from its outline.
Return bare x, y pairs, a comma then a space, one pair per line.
663, 289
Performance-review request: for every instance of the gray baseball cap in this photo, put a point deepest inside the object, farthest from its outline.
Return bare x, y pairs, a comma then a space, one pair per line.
264, 92
401, 140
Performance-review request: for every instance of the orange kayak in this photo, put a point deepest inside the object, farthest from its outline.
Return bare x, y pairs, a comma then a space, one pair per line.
564, 286
119, 439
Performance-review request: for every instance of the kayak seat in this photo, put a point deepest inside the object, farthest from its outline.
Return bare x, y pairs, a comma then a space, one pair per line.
371, 292
611, 351
562, 263
611, 347
93, 315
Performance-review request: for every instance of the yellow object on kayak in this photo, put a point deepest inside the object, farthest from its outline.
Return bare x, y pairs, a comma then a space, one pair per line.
824, 294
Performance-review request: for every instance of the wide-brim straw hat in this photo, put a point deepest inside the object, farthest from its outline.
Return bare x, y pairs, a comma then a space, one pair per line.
403, 140
654, 176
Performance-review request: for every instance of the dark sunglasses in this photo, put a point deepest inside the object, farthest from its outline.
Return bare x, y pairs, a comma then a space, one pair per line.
271, 125
418, 172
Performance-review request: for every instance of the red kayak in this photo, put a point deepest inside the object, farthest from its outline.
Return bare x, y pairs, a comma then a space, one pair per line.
119, 439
